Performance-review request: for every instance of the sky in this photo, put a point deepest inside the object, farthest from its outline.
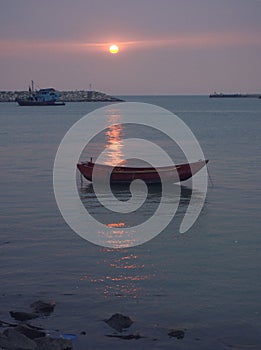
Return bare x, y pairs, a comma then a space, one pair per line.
165, 46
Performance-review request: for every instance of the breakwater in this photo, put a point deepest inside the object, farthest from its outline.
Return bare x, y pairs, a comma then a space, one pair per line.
66, 96
236, 95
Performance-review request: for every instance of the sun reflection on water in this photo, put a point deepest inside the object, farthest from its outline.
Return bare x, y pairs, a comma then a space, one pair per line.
116, 224
114, 144
122, 278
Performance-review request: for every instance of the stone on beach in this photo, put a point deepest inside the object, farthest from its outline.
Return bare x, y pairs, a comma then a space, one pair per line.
43, 307
24, 336
48, 343
119, 322
126, 337
176, 333
13, 340
29, 331
23, 316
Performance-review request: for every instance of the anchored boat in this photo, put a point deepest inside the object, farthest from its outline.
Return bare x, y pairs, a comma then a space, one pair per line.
122, 174
42, 97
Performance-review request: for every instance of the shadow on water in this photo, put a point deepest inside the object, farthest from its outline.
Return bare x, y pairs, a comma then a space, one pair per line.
173, 195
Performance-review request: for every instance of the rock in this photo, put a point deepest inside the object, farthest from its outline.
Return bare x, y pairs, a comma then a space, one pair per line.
23, 316
49, 343
126, 337
13, 340
42, 307
6, 324
176, 333
30, 332
119, 322
4, 342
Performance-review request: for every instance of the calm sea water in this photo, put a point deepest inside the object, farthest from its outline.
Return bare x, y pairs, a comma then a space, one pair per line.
205, 281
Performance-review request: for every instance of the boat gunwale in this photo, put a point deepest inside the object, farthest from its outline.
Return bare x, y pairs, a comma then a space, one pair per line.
131, 170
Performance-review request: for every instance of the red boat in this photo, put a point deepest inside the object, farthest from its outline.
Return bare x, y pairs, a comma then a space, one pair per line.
125, 174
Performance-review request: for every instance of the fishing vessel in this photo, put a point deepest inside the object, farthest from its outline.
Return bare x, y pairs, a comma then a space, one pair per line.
42, 97
234, 95
125, 174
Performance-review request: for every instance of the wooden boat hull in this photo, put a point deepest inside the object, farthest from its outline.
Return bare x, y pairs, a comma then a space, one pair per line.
120, 174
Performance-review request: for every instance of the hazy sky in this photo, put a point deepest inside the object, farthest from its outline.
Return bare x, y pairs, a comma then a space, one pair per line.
166, 46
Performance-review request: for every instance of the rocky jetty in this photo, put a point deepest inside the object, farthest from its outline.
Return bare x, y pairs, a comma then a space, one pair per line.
66, 96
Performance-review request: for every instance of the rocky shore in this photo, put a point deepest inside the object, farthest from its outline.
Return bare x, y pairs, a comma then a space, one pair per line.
66, 96
20, 333
25, 336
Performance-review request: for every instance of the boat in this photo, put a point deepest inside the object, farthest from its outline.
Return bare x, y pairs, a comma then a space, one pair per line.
234, 95
42, 97
150, 175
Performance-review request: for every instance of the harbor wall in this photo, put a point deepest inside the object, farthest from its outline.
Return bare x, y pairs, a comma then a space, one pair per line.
66, 96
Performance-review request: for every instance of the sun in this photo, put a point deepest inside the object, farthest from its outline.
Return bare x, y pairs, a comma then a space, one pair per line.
114, 49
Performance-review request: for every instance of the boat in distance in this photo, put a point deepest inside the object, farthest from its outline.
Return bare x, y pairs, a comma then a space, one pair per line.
42, 97
150, 175
234, 95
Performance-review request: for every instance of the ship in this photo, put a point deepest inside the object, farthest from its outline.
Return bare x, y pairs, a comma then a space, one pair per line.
234, 95
42, 97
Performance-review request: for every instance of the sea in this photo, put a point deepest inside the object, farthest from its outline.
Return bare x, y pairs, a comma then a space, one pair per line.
203, 284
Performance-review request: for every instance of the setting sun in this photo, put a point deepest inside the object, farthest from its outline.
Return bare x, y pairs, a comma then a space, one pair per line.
114, 49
